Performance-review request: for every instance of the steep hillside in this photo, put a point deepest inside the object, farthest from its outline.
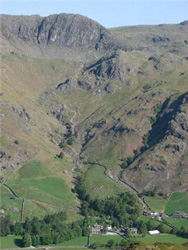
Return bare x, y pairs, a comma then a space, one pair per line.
80, 99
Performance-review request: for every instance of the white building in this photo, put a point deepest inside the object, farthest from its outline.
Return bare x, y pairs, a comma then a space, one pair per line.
154, 232
154, 213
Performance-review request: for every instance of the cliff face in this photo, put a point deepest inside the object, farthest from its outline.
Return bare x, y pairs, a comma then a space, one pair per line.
164, 161
73, 31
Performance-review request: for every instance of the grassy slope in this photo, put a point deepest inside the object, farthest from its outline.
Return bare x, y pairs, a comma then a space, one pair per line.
177, 202
97, 184
44, 188
27, 78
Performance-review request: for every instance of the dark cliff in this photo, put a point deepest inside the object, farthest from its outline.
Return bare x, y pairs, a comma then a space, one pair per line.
73, 31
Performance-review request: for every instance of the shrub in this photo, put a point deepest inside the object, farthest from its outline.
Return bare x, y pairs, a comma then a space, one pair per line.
110, 243
16, 141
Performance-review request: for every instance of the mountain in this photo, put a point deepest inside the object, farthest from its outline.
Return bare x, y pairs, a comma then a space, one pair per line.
79, 99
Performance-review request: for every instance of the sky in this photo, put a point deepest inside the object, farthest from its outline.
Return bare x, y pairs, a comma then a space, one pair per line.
109, 13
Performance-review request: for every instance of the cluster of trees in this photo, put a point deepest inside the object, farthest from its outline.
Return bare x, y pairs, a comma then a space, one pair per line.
122, 209
68, 138
182, 232
150, 193
126, 162
144, 227
153, 193
52, 229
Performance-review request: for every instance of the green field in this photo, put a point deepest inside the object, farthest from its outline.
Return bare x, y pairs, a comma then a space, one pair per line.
163, 238
33, 169
157, 205
54, 186
10, 242
177, 202
15, 241
82, 241
10, 204
178, 222
35, 181
98, 184
43, 191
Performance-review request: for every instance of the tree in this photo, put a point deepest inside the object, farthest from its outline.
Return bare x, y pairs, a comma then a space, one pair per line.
150, 225
110, 243
27, 225
162, 228
61, 155
16, 141
46, 239
5, 226
105, 230
95, 245
142, 228
124, 164
124, 243
18, 229
174, 231
35, 240
27, 242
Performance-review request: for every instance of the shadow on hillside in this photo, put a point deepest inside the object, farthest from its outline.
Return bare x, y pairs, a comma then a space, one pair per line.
18, 242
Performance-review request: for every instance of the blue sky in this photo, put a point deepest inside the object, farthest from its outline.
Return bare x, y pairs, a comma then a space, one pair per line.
107, 12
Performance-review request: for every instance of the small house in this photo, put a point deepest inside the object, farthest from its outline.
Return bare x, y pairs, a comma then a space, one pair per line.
96, 229
109, 228
180, 214
154, 213
133, 230
2, 211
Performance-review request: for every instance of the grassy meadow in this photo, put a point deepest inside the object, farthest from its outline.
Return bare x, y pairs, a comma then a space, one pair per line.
178, 222
98, 184
162, 238
177, 202
10, 242
157, 205
43, 187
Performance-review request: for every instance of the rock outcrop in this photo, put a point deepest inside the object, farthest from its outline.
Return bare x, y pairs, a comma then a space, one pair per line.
73, 31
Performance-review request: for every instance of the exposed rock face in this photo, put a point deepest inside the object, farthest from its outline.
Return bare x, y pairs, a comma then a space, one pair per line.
168, 119
168, 141
73, 31
67, 86
111, 67
85, 84
58, 111
160, 39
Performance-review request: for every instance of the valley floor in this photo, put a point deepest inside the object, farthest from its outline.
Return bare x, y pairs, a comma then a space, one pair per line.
15, 242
